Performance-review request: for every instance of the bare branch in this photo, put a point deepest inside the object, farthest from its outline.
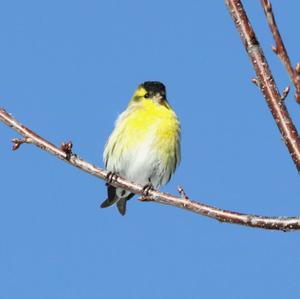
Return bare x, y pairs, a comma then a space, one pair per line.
297, 82
183, 202
280, 49
265, 80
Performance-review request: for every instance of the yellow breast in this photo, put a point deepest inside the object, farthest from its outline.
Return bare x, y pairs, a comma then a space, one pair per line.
149, 130
148, 119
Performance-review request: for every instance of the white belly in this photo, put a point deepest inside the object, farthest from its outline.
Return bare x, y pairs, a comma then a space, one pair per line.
141, 164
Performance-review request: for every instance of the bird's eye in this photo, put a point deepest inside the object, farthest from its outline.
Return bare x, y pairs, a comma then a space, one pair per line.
147, 95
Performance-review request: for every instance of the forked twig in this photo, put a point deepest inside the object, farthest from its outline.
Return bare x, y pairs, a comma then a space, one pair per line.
265, 81
280, 48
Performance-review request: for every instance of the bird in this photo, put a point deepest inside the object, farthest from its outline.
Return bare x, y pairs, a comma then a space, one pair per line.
144, 146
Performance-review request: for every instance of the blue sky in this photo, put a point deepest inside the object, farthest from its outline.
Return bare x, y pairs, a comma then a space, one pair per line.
68, 68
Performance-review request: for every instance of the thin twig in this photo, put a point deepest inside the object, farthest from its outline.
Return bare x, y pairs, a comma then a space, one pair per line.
255, 81
182, 193
266, 81
280, 49
272, 223
67, 149
285, 93
17, 142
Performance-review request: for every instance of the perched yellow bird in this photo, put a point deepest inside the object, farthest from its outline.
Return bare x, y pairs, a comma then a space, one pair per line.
145, 144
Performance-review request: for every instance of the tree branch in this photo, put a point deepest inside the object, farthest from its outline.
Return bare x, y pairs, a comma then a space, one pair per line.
65, 153
280, 49
265, 80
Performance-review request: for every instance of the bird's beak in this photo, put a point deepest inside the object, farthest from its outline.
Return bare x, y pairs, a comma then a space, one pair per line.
158, 98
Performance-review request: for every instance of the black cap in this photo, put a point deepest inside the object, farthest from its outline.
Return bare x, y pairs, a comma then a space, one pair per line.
154, 86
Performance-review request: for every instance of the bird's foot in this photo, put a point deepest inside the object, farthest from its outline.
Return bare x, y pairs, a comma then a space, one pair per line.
111, 176
145, 195
146, 189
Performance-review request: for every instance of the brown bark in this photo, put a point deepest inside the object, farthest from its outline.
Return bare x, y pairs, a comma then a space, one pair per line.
265, 80
65, 153
280, 48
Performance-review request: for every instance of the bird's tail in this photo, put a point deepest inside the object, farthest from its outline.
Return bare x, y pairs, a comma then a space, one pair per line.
118, 196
